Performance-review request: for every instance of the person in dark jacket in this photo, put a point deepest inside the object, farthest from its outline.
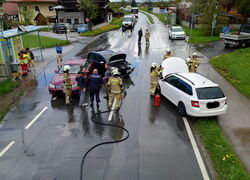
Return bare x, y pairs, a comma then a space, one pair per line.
140, 34
82, 84
94, 83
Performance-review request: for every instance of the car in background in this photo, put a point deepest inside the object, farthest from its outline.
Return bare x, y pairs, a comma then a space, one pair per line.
135, 10
82, 28
98, 59
193, 94
56, 84
59, 28
176, 32
128, 22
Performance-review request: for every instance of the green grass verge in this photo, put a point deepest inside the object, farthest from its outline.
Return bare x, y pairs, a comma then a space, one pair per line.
225, 161
115, 24
161, 17
235, 68
200, 35
7, 86
31, 41
2, 114
46, 29
151, 20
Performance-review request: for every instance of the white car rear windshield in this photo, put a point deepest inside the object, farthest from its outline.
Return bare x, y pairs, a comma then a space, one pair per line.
127, 19
209, 93
177, 30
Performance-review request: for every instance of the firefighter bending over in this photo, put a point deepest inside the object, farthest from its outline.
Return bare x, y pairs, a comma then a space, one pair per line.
168, 54
193, 63
115, 85
155, 73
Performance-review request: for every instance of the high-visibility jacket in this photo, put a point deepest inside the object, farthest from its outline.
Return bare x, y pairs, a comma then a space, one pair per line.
147, 34
154, 76
115, 84
24, 59
167, 56
195, 62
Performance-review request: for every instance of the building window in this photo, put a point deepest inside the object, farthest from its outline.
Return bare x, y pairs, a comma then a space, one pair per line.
37, 8
76, 21
68, 21
50, 8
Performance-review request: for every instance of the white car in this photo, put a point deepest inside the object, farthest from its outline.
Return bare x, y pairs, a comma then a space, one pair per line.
128, 22
176, 32
192, 93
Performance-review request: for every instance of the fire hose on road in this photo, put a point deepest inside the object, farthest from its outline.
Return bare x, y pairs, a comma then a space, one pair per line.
103, 143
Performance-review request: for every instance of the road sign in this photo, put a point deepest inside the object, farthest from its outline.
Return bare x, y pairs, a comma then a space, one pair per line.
226, 30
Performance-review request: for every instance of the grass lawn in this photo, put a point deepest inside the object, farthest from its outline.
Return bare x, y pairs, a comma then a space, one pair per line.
225, 161
31, 41
149, 17
8, 86
235, 67
115, 24
200, 35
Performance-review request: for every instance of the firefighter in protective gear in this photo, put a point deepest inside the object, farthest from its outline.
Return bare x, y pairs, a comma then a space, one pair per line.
147, 36
168, 54
67, 83
195, 61
154, 77
115, 85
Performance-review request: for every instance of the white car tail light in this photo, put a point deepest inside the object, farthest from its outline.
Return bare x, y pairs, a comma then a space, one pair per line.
195, 103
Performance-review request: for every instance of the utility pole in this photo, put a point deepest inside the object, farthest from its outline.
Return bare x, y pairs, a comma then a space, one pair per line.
192, 20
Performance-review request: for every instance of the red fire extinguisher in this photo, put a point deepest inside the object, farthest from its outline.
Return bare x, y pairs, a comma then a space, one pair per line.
157, 100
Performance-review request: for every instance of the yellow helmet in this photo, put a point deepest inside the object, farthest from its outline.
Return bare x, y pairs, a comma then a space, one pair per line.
195, 54
153, 64
188, 60
168, 50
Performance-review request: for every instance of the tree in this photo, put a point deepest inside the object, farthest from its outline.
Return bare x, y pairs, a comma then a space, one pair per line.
91, 9
243, 7
133, 3
27, 15
123, 3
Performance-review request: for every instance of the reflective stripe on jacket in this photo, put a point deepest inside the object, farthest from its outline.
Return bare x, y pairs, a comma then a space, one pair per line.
115, 84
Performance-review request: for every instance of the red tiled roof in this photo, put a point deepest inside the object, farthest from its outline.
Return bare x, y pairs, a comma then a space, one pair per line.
17, 1
10, 8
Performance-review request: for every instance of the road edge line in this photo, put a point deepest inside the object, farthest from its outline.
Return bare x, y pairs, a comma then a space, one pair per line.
6, 148
35, 118
196, 150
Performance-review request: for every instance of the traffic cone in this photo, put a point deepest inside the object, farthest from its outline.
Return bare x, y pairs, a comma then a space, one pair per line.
157, 100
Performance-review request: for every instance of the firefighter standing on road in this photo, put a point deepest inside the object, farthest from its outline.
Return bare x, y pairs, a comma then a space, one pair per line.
154, 77
147, 36
193, 63
115, 84
67, 83
168, 54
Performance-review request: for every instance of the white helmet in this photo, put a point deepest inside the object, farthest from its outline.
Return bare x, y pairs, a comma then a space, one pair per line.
188, 60
66, 67
153, 64
195, 54
168, 50
115, 72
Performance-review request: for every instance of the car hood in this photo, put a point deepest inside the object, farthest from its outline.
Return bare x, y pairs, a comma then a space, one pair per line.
117, 57
174, 65
58, 79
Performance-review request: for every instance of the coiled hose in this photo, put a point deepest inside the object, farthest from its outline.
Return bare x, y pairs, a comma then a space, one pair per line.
103, 143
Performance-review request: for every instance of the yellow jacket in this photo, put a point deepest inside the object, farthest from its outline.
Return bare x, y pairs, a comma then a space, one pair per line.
115, 84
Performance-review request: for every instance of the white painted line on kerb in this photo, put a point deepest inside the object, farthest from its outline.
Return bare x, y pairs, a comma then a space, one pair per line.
112, 110
196, 151
35, 118
6, 148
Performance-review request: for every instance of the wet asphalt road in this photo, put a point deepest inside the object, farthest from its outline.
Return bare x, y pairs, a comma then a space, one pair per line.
52, 148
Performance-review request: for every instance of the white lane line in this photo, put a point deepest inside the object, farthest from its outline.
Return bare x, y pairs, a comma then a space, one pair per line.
6, 148
112, 110
35, 118
196, 151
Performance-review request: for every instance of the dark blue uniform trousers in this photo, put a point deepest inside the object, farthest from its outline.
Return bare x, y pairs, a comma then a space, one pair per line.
94, 94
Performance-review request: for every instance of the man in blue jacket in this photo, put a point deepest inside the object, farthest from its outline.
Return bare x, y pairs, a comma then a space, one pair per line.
59, 55
95, 82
